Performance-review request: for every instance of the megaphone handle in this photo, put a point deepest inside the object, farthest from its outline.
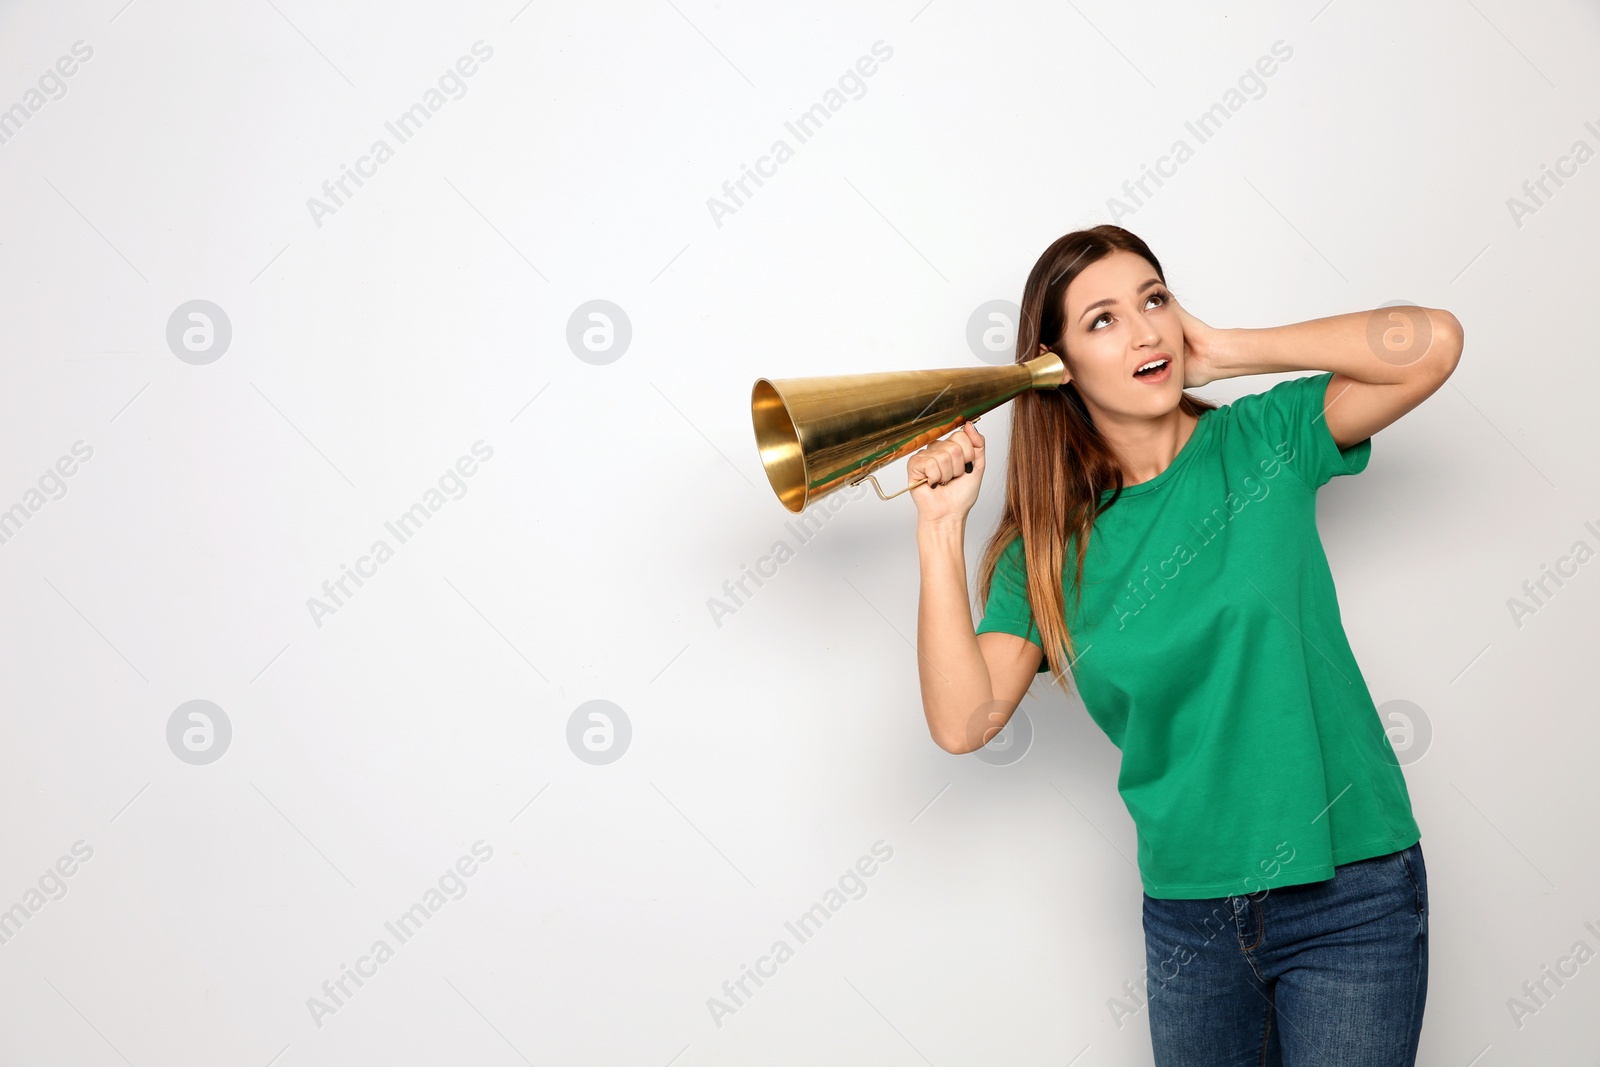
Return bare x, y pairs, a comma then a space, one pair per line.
874, 480
920, 481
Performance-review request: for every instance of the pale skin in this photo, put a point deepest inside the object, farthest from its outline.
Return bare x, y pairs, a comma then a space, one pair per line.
1119, 315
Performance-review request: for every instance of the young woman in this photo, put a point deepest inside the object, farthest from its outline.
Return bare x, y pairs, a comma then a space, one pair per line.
1285, 897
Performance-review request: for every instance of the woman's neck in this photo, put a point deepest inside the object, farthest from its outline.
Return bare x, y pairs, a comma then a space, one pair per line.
1146, 447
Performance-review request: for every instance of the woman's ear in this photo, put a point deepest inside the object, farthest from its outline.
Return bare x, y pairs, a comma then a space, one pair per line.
1044, 349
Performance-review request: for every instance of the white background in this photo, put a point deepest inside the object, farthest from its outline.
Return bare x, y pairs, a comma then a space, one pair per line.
771, 748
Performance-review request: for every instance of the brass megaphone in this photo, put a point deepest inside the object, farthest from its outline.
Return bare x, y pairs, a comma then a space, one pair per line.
817, 435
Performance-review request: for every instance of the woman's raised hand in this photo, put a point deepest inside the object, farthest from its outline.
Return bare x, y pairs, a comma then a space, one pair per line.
954, 469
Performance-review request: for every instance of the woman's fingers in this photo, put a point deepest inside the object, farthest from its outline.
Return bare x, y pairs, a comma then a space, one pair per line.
973, 440
955, 456
936, 465
946, 460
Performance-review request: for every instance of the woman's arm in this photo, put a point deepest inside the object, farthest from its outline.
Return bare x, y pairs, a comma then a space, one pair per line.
1385, 361
971, 684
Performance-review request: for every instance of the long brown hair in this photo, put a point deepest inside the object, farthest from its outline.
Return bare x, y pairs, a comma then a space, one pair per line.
1059, 463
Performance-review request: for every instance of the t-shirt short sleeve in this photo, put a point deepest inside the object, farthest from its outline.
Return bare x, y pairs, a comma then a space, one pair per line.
1007, 610
1290, 413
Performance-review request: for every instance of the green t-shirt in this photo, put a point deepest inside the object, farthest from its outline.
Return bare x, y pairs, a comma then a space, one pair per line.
1211, 652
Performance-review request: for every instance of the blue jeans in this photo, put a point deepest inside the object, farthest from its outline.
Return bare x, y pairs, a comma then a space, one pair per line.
1332, 972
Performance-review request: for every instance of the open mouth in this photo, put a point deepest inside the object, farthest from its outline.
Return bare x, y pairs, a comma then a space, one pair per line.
1155, 369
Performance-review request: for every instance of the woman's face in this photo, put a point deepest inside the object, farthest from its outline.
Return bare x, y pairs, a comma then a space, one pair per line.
1119, 317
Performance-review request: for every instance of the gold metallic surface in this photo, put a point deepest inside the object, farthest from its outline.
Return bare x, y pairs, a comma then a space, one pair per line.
817, 435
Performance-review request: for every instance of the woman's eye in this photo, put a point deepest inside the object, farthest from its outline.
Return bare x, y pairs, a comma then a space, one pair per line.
1162, 297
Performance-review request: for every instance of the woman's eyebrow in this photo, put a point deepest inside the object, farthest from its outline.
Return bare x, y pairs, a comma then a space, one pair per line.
1112, 300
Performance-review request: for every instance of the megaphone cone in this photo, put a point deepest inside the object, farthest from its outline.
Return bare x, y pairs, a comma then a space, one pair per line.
818, 435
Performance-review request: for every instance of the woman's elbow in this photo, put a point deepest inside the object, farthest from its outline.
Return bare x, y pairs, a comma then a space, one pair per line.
956, 746
1450, 337
947, 739
975, 729
948, 734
